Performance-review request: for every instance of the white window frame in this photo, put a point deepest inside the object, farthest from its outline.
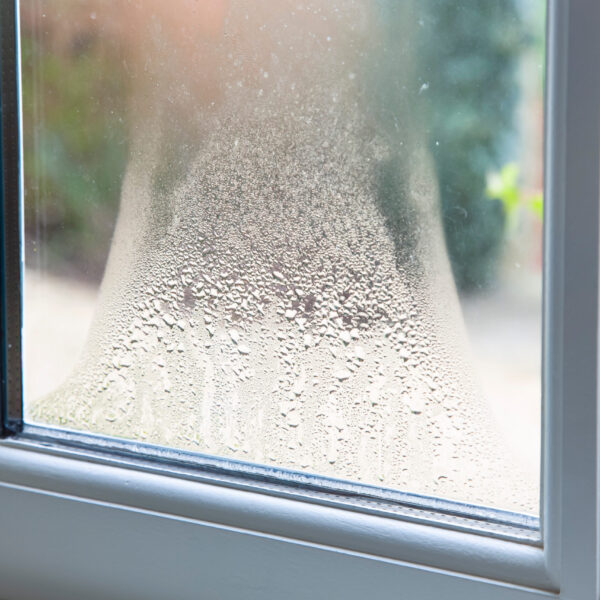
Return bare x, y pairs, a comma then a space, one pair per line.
75, 523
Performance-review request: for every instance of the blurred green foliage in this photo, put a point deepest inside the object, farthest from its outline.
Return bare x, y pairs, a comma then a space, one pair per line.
469, 55
74, 152
504, 186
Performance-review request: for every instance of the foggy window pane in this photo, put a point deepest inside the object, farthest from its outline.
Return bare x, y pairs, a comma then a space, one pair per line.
300, 234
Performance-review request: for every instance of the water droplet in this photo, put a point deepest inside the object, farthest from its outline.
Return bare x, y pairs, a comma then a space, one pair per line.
293, 419
415, 403
342, 374
345, 337
168, 319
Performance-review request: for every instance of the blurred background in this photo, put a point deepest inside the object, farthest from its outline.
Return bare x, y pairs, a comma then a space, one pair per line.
481, 70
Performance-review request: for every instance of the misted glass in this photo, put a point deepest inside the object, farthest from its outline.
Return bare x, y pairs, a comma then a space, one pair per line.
247, 223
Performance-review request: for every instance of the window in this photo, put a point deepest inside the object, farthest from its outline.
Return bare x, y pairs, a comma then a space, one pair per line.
90, 516
278, 293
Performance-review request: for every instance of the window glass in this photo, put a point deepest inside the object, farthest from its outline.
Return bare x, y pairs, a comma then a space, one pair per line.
304, 234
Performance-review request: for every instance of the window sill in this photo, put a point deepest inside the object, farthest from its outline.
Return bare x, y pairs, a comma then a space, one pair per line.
109, 521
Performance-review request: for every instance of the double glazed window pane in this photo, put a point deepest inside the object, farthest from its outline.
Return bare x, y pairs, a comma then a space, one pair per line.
300, 234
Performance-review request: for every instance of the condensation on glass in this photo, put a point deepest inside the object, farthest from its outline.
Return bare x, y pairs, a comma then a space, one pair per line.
277, 287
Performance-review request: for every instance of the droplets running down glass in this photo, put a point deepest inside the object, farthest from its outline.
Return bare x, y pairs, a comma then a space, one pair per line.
299, 234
